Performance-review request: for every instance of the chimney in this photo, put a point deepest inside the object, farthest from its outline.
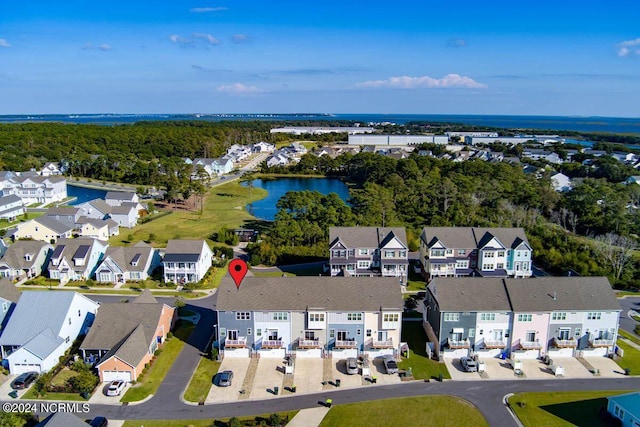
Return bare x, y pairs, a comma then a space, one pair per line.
554, 295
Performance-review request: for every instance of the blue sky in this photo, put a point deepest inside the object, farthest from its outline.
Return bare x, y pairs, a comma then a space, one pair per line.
183, 56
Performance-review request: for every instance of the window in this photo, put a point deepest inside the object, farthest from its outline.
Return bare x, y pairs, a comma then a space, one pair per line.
354, 316
462, 264
449, 251
487, 317
618, 412
402, 254
316, 317
525, 317
69, 320
462, 251
594, 315
169, 265
364, 264
332, 333
437, 252
578, 331
500, 265
559, 316
390, 317
389, 254
5, 307
281, 316
258, 332
243, 315
363, 251
472, 332
530, 336
500, 253
248, 331
135, 275
368, 332
489, 254
358, 331
525, 265
525, 253
79, 313
564, 333
451, 317
487, 266
181, 265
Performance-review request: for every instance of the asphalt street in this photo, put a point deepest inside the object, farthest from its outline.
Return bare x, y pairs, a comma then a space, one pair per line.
628, 303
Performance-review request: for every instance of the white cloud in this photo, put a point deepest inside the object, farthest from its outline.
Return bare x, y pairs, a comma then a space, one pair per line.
406, 82
629, 47
103, 47
239, 38
456, 43
207, 38
4, 43
208, 9
238, 88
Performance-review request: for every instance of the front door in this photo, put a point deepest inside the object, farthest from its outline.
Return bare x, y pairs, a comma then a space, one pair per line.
382, 335
232, 335
497, 335
272, 335
342, 335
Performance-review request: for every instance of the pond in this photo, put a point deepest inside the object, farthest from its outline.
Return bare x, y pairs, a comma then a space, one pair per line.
84, 194
266, 208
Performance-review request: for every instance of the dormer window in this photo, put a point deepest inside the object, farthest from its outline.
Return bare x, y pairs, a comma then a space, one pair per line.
28, 257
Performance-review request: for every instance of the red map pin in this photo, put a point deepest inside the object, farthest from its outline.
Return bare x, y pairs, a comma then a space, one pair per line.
238, 269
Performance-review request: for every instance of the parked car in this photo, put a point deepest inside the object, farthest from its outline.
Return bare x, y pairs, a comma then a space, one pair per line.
390, 365
99, 422
226, 377
352, 366
468, 364
116, 387
24, 380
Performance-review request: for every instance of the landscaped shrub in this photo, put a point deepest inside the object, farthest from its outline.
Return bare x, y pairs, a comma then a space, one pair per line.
85, 382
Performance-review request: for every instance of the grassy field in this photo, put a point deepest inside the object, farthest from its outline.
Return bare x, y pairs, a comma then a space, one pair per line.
200, 384
223, 206
421, 366
207, 423
160, 367
578, 408
629, 336
434, 411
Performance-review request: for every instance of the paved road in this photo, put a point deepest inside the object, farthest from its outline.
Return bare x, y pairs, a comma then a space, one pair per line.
628, 303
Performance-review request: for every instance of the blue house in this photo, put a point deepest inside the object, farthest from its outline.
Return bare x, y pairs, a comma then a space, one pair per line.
625, 407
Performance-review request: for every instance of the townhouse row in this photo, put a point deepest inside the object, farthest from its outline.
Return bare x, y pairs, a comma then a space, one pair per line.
524, 319
309, 317
184, 261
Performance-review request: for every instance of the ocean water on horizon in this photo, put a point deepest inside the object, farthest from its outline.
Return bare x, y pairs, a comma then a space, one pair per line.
552, 123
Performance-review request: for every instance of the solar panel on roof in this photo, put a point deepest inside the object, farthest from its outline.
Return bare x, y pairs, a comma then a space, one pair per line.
58, 251
135, 259
81, 252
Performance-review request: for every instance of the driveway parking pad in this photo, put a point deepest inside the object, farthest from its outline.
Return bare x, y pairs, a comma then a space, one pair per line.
5, 388
497, 369
339, 371
239, 366
307, 375
268, 376
377, 370
458, 373
100, 395
607, 367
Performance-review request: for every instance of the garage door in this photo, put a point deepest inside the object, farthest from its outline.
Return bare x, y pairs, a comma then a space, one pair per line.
116, 375
21, 368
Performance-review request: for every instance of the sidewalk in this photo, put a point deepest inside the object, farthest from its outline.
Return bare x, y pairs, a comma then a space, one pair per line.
311, 417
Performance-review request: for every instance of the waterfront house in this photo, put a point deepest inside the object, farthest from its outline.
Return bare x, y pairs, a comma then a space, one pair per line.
67, 215
309, 316
186, 261
124, 337
263, 147
32, 188
42, 327
368, 251
96, 208
11, 207
75, 259
117, 198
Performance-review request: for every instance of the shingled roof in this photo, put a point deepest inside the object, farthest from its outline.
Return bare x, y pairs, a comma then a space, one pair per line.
366, 237
302, 293
470, 294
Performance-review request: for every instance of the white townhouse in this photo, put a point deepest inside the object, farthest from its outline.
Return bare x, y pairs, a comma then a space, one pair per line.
34, 189
11, 207
51, 169
310, 317
186, 261
42, 327
117, 198
263, 147
75, 259
239, 152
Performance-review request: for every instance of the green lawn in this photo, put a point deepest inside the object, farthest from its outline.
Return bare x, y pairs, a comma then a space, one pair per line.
421, 366
578, 408
434, 411
629, 336
201, 381
631, 358
61, 378
160, 367
31, 394
416, 285
207, 423
223, 206
23, 218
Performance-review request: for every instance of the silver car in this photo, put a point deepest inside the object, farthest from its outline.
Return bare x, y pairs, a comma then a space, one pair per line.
352, 366
390, 365
468, 364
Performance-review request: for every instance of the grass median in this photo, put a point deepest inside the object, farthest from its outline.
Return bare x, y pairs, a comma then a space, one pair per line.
421, 366
433, 411
160, 367
201, 381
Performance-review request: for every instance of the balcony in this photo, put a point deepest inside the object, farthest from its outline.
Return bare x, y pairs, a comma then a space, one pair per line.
241, 342
453, 344
303, 343
530, 345
383, 344
346, 344
600, 342
557, 342
271, 344
493, 344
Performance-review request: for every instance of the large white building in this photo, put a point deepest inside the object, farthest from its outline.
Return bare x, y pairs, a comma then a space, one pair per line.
33, 188
397, 140
319, 130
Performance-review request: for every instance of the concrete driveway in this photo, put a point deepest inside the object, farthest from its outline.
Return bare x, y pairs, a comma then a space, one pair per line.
100, 395
378, 370
239, 366
339, 371
5, 388
458, 373
607, 368
308, 375
268, 375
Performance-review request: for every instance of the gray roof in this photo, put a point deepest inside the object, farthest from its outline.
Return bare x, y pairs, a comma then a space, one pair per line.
68, 248
302, 293
64, 210
571, 293
120, 195
122, 210
123, 256
100, 205
62, 419
510, 237
9, 291
15, 254
185, 246
11, 198
53, 224
470, 294
35, 312
451, 237
365, 237
43, 344
146, 297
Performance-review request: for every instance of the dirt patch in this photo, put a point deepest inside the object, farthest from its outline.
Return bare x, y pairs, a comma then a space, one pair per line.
190, 204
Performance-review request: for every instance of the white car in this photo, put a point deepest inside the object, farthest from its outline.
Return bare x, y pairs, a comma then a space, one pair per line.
116, 387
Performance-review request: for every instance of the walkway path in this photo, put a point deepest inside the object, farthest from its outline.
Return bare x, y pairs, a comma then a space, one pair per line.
310, 417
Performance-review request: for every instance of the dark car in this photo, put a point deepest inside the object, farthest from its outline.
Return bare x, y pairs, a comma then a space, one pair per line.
24, 380
225, 378
99, 422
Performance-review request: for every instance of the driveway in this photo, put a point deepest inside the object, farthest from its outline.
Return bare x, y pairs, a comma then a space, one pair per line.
458, 373
268, 375
5, 388
308, 375
100, 395
339, 372
239, 366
